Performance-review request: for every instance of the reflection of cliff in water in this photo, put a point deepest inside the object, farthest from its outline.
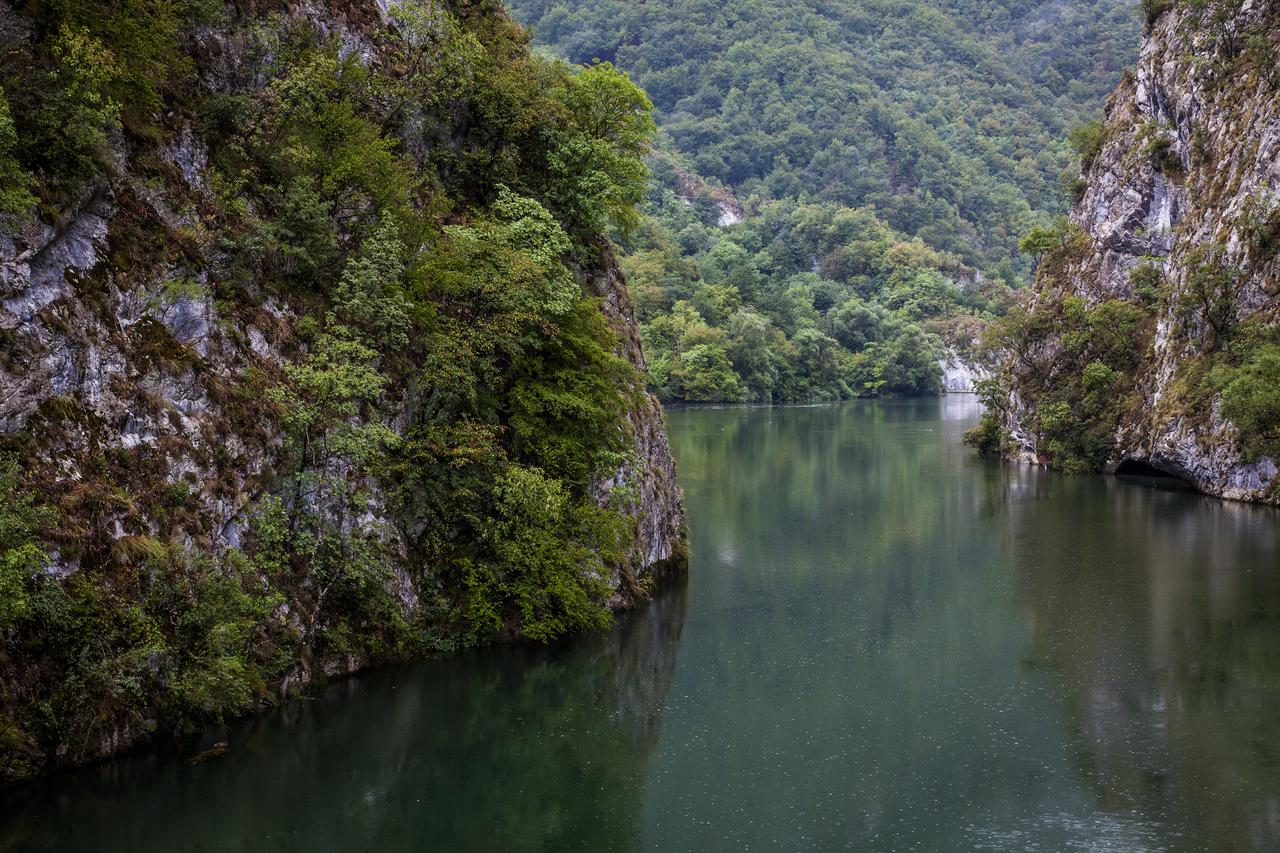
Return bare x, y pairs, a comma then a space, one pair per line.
506, 749
1158, 610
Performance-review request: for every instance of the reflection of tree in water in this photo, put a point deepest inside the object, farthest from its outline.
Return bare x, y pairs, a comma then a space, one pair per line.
799, 487
508, 749
846, 642
1160, 612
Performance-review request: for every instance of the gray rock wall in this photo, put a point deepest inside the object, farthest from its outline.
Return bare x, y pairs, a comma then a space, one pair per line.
657, 504
1191, 158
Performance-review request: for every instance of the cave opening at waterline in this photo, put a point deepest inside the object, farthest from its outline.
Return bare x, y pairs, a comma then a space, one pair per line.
1138, 469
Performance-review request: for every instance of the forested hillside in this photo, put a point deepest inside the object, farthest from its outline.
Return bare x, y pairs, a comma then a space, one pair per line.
886, 155
312, 355
949, 119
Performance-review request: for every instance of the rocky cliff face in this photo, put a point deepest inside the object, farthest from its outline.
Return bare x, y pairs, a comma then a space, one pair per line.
960, 372
70, 350
660, 545
146, 377
1154, 310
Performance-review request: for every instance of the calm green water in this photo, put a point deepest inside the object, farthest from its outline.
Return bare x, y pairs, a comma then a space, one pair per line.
884, 644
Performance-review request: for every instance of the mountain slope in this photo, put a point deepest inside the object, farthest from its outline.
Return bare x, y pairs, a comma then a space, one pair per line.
839, 187
948, 119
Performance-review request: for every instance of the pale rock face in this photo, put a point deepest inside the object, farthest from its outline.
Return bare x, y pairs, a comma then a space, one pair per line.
189, 153
730, 214
1222, 153
36, 275
959, 374
657, 505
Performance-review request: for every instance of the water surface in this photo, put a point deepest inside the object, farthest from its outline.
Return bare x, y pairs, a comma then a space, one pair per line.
884, 644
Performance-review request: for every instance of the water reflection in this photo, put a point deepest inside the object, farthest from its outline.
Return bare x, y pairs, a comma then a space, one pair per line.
1159, 610
889, 645
897, 646
508, 750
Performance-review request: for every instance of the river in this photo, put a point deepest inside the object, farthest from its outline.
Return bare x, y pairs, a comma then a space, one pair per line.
884, 644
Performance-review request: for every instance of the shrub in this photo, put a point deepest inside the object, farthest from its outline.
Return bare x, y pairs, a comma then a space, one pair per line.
1153, 9
594, 176
1210, 291
988, 437
1087, 140
1248, 378
1260, 221
15, 182
1146, 280
1076, 364
21, 556
551, 557
67, 138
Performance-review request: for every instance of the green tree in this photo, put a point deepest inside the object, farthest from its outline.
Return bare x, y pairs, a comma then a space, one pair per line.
1087, 140
551, 560
68, 138
1251, 396
703, 372
750, 337
21, 556
595, 175
326, 400
370, 295
856, 324
15, 182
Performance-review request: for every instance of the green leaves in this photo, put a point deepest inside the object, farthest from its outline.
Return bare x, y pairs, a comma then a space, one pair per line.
1248, 378
314, 123
1210, 293
852, 328
15, 182
551, 560
448, 396
511, 261
69, 135
328, 391
595, 177
1087, 140
1040, 240
370, 295
1075, 365
21, 556
569, 399
945, 122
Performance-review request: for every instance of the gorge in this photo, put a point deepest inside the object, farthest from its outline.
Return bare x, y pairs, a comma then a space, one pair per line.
340, 509
942, 653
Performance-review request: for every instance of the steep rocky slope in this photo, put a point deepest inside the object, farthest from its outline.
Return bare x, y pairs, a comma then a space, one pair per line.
317, 362
1151, 334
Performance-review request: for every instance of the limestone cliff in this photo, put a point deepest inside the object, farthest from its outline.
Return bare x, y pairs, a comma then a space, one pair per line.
159, 320
1147, 335
660, 543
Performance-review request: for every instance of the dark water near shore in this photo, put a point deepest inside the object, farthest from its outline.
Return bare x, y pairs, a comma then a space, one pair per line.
884, 644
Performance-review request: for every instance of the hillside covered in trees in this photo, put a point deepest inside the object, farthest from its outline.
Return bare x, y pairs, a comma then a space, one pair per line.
312, 355
887, 157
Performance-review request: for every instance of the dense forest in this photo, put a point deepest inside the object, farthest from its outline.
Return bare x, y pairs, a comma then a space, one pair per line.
887, 157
